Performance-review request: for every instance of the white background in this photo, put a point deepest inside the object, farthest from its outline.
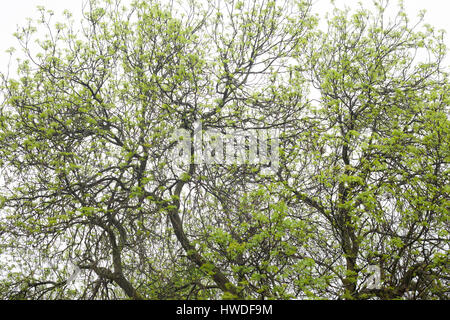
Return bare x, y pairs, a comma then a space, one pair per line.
14, 13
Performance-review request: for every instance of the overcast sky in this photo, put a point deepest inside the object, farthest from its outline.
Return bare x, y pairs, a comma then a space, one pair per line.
15, 12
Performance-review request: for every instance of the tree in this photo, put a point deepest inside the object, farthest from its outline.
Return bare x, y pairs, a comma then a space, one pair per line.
92, 175
375, 184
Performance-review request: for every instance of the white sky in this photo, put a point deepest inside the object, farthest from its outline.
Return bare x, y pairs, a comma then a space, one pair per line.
15, 12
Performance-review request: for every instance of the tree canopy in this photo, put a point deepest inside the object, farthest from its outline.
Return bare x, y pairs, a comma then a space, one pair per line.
91, 179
